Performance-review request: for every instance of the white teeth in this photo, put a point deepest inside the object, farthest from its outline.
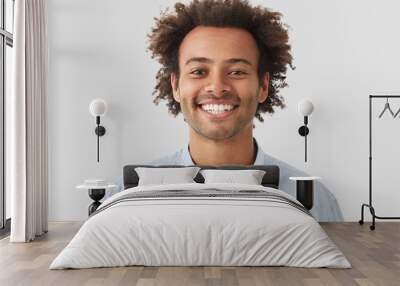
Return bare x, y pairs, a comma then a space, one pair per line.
217, 108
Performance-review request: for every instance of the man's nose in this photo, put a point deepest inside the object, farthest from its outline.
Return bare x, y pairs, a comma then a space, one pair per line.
217, 85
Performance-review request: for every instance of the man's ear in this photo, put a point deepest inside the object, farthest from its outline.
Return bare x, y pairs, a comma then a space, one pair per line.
263, 91
175, 88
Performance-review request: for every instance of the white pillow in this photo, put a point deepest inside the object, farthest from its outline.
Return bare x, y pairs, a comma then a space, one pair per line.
249, 177
162, 176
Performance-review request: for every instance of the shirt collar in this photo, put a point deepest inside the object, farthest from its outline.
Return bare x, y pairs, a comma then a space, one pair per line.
260, 154
186, 159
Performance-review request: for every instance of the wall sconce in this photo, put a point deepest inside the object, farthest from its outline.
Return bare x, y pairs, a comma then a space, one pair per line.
97, 108
305, 108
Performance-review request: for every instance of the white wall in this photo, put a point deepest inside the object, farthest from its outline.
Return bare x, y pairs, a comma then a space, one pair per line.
343, 51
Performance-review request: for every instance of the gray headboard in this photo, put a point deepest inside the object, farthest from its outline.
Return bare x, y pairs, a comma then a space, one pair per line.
270, 179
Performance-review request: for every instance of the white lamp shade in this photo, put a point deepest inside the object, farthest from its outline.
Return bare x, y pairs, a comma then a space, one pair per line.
305, 107
98, 107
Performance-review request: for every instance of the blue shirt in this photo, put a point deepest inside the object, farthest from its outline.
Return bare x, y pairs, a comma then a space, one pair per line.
325, 206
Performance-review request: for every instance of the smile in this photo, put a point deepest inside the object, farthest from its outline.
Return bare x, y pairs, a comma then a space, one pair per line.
218, 111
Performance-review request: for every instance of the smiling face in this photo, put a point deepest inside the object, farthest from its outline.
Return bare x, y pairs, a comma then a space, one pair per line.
218, 86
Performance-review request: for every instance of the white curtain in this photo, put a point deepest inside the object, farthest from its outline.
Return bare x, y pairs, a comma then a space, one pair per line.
27, 122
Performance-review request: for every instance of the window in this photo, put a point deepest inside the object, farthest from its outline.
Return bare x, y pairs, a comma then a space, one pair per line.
6, 44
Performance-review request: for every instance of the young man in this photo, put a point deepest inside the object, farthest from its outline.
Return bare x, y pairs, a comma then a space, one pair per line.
223, 64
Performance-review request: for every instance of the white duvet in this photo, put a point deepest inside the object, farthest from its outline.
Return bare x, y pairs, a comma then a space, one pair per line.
200, 231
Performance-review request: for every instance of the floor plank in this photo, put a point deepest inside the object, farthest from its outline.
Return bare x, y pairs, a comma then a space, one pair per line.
374, 255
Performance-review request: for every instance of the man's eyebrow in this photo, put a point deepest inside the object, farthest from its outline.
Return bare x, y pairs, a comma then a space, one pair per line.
207, 60
199, 60
238, 60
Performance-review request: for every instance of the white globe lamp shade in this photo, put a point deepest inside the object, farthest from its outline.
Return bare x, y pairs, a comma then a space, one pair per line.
98, 107
305, 107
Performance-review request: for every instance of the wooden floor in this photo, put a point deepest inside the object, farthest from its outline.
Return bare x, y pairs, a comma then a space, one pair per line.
374, 255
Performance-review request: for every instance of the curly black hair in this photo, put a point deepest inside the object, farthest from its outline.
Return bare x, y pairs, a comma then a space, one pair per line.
264, 25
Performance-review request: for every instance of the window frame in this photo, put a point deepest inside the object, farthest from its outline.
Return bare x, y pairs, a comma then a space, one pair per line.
6, 39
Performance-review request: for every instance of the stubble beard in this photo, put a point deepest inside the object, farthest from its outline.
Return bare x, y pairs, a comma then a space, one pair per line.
215, 133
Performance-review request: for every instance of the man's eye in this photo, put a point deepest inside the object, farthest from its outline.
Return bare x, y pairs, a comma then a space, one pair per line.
197, 72
238, 72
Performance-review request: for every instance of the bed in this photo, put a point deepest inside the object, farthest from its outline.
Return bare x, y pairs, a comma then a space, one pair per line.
201, 223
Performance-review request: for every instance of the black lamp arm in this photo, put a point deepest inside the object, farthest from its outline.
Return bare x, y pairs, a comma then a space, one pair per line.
303, 131
100, 131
